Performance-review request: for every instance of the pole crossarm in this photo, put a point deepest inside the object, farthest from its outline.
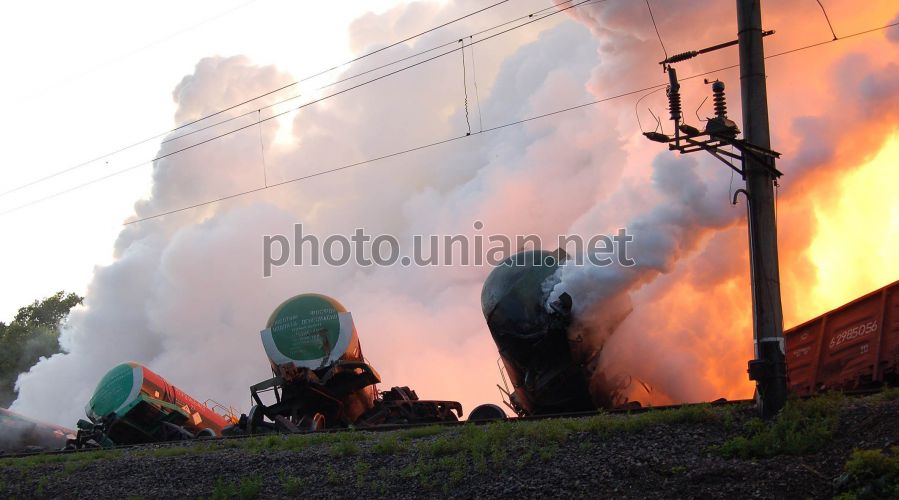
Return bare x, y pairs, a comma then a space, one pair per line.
690, 143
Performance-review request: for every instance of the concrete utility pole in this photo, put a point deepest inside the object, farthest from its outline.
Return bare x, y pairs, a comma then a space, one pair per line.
768, 368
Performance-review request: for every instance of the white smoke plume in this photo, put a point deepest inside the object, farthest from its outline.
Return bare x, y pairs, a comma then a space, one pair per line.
186, 295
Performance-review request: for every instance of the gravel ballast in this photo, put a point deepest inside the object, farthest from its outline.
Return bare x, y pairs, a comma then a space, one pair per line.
675, 453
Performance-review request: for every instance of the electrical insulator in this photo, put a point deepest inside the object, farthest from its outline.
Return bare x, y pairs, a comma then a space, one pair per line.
720, 125
674, 105
719, 99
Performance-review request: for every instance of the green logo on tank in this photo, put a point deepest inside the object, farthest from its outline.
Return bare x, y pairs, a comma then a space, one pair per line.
113, 390
306, 328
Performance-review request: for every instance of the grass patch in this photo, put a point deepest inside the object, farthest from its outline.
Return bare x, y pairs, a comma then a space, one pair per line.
175, 451
387, 444
245, 489
803, 426
293, 485
870, 474
332, 476
295, 442
362, 469
887, 394
344, 444
454, 453
41, 484
344, 449
81, 457
420, 432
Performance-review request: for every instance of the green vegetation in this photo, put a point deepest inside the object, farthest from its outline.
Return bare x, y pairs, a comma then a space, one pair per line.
362, 469
33, 333
332, 476
388, 444
887, 394
870, 474
452, 453
345, 444
293, 485
342, 443
802, 427
174, 451
420, 432
41, 484
246, 489
81, 458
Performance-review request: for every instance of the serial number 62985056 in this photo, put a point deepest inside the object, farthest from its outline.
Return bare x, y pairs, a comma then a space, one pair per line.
853, 333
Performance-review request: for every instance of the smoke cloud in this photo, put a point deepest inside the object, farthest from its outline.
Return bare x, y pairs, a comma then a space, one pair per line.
186, 296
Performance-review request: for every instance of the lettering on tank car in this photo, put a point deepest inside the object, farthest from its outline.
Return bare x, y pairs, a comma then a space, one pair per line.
852, 333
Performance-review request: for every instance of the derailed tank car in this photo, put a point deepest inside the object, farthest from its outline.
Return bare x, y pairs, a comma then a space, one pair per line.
19, 433
532, 335
321, 378
132, 404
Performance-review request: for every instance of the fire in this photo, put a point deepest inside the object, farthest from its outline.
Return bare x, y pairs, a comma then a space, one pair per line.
854, 248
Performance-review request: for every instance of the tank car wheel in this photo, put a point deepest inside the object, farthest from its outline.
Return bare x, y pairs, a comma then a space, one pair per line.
205, 434
254, 420
486, 413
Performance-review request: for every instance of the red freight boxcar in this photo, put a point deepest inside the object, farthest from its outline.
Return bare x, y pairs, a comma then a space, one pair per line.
853, 346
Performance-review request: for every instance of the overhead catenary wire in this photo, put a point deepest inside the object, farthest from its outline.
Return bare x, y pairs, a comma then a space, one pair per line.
444, 141
309, 103
247, 101
637, 112
465, 86
262, 153
389, 155
477, 96
368, 71
491, 129
827, 18
653, 19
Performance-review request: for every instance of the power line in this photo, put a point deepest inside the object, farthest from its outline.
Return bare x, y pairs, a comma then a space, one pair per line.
491, 129
649, 8
309, 103
474, 76
389, 155
827, 18
371, 70
452, 139
465, 86
229, 108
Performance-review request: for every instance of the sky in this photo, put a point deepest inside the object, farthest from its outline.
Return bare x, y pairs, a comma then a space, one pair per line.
108, 69
185, 294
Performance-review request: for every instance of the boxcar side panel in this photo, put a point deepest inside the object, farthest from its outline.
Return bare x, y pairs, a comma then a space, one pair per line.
889, 347
851, 342
803, 345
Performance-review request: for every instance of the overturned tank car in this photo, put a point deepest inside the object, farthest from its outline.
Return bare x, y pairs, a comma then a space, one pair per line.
19, 433
532, 335
321, 379
132, 404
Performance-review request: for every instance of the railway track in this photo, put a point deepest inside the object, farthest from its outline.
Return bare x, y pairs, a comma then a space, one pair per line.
397, 427
381, 428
